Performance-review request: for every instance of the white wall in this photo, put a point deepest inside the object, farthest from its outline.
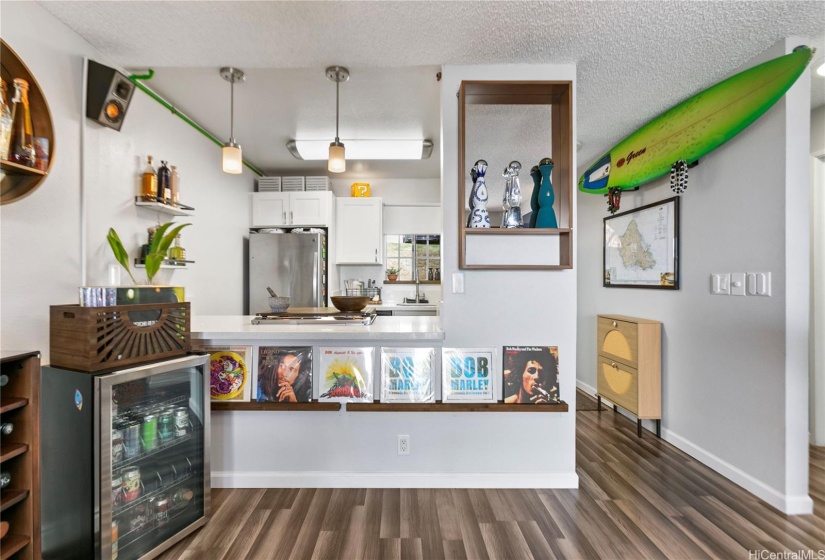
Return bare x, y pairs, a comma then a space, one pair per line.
42, 234
734, 368
509, 307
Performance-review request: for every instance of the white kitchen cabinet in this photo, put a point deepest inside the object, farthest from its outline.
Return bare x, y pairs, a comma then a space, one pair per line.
273, 209
358, 233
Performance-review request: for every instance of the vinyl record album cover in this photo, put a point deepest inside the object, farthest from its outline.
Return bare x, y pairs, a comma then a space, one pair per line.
346, 374
467, 375
531, 374
285, 373
407, 375
230, 372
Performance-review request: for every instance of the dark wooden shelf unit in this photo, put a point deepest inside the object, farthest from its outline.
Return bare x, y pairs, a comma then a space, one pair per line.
13, 543
9, 451
19, 181
20, 454
275, 406
9, 404
10, 497
558, 95
455, 407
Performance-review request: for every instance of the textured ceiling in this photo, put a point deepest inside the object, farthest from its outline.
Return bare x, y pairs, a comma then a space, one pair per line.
634, 60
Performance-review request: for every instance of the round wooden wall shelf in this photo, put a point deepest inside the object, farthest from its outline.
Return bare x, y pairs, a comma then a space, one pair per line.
20, 181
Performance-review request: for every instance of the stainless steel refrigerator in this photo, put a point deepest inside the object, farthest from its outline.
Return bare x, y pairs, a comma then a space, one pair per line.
292, 264
124, 459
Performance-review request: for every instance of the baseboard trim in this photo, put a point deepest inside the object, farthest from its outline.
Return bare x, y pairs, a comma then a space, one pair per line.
280, 479
586, 388
790, 505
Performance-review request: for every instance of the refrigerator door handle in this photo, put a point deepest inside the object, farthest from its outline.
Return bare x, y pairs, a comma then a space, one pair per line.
284, 217
315, 284
291, 217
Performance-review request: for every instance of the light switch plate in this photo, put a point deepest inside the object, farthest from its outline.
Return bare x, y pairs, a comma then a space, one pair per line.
458, 282
759, 283
737, 283
720, 284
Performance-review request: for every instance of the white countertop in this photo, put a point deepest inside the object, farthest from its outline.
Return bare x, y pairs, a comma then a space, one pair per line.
240, 327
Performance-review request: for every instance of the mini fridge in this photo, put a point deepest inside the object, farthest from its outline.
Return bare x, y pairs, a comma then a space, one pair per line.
124, 459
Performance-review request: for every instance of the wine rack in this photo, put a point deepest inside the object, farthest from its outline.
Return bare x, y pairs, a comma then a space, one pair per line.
20, 454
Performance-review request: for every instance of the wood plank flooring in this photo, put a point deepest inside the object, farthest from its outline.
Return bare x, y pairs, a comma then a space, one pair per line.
638, 498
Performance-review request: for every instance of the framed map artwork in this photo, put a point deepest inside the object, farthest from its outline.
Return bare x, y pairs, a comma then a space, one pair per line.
641, 247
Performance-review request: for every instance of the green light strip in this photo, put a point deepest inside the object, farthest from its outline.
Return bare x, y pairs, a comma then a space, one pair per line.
135, 79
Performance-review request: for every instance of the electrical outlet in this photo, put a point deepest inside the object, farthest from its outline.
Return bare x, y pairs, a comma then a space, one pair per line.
403, 445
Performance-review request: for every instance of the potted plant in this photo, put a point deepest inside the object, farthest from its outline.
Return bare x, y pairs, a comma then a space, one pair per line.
157, 251
392, 274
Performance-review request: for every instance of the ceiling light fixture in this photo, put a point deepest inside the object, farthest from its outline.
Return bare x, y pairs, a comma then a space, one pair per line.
363, 149
232, 160
821, 70
337, 153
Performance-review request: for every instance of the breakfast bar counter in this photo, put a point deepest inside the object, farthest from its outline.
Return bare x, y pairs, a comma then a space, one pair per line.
238, 328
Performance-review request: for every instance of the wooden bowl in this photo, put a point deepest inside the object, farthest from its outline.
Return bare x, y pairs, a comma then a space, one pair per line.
350, 303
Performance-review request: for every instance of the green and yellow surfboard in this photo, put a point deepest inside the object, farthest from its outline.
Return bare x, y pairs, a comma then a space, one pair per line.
696, 126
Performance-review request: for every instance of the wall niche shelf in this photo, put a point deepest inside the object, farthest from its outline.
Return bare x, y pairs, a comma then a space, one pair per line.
19, 181
154, 203
518, 248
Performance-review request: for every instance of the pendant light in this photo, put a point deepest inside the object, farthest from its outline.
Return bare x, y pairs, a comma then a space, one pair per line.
232, 161
337, 153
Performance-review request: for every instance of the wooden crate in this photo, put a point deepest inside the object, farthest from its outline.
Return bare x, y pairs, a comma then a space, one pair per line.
103, 339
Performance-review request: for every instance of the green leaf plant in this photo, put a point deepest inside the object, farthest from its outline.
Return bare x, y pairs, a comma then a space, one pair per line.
157, 251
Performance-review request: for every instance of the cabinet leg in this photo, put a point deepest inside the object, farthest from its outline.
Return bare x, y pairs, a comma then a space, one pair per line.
659, 429
615, 408
599, 403
639, 427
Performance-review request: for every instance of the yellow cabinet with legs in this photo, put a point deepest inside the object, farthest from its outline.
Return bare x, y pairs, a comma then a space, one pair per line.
629, 365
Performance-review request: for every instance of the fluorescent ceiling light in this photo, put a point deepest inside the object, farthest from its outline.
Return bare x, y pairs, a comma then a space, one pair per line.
363, 149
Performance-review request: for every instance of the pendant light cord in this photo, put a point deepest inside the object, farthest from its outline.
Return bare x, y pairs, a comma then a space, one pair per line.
337, 85
232, 110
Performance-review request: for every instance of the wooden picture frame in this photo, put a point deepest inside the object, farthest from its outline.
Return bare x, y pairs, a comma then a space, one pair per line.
641, 247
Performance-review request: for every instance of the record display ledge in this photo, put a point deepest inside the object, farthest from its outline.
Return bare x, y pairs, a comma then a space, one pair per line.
377, 406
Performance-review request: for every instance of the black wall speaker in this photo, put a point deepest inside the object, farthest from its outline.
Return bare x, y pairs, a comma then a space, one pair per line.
108, 93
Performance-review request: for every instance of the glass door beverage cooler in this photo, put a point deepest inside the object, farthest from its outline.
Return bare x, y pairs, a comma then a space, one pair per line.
124, 459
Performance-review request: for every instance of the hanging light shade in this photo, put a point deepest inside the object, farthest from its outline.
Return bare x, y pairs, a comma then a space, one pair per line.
232, 156
337, 162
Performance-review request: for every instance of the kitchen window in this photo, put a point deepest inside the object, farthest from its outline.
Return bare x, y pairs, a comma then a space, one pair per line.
411, 253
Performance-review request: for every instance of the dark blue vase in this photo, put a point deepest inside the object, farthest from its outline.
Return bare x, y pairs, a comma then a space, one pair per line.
547, 216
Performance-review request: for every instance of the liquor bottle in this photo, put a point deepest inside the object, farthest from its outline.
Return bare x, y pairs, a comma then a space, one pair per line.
164, 180
6, 428
149, 182
21, 146
177, 253
5, 122
175, 186
5, 479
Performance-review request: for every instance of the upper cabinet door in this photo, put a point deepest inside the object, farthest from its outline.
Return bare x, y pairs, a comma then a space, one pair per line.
270, 209
310, 208
358, 231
